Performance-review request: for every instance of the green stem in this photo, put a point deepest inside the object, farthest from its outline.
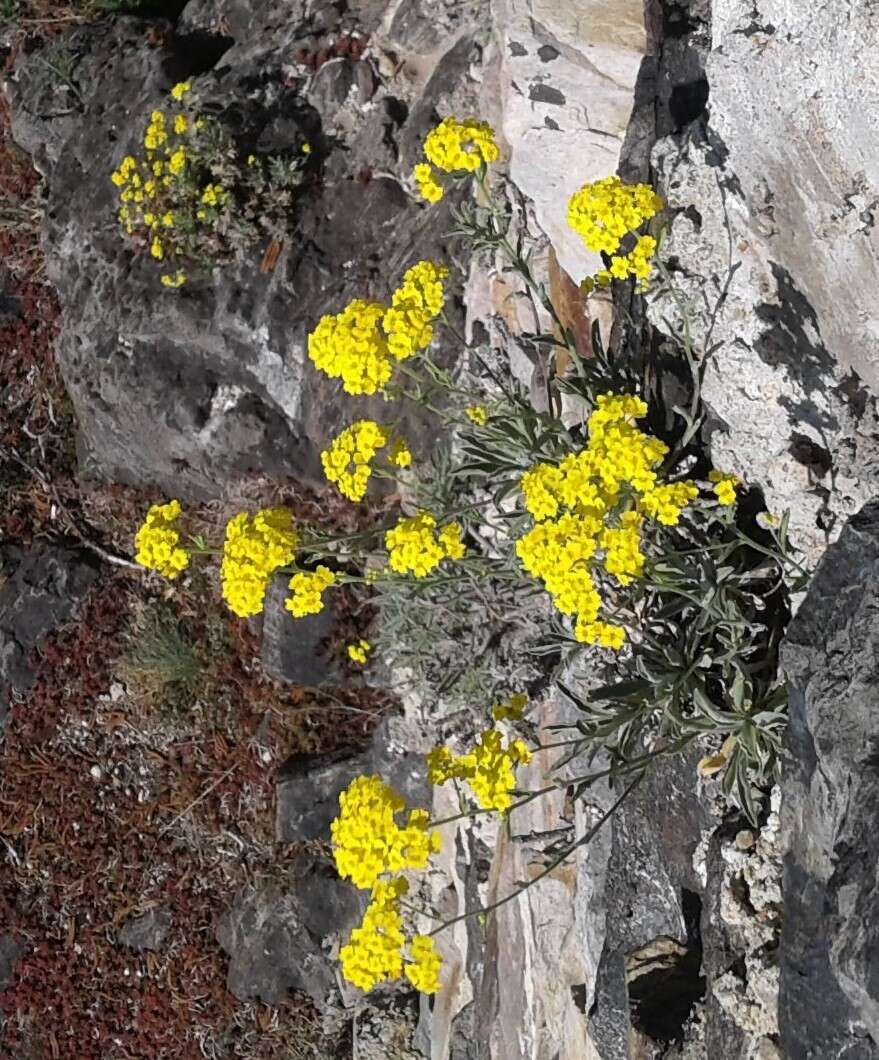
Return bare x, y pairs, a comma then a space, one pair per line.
554, 864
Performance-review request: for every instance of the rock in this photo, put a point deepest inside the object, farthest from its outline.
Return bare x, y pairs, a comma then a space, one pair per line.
42, 589
801, 142
271, 952
216, 374
296, 649
308, 789
309, 785
147, 932
11, 948
327, 905
780, 192
560, 89
829, 997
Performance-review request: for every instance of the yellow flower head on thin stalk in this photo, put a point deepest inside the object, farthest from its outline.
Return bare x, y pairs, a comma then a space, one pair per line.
368, 842
725, 485
477, 414
511, 709
456, 147
307, 591
400, 454
415, 304
589, 512
604, 212
360, 652
424, 971
374, 951
352, 347
158, 541
253, 550
347, 462
416, 547
180, 90
489, 768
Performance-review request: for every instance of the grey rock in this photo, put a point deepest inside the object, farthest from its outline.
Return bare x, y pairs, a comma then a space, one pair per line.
296, 649
215, 376
271, 952
309, 785
147, 932
41, 589
308, 789
829, 993
11, 948
327, 905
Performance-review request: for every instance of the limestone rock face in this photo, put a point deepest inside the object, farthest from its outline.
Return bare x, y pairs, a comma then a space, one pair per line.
829, 1002
561, 91
777, 181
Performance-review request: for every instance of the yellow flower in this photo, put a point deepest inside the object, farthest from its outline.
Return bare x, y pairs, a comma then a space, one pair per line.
477, 414
725, 486
414, 305
175, 280
367, 840
601, 633
461, 145
604, 211
177, 161
180, 124
158, 540
359, 652
350, 346
307, 589
400, 454
489, 768
415, 547
253, 550
374, 951
423, 972
346, 462
428, 186
512, 709
306, 148
157, 250
180, 90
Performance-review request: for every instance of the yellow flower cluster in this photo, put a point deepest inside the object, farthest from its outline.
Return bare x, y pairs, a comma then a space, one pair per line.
637, 263
368, 844
423, 972
415, 547
158, 541
308, 587
367, 840
359, 652
351, 346
360, 344
374, 952
725, 486
603, 213
400, 454
414, 305
489, 768
454, 147
155, 190
512, 709
347, 462
477, 414
253, 550
590, 509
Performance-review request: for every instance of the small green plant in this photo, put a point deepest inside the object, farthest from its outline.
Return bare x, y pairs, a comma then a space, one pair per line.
192, 198
9, 9
161, 661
